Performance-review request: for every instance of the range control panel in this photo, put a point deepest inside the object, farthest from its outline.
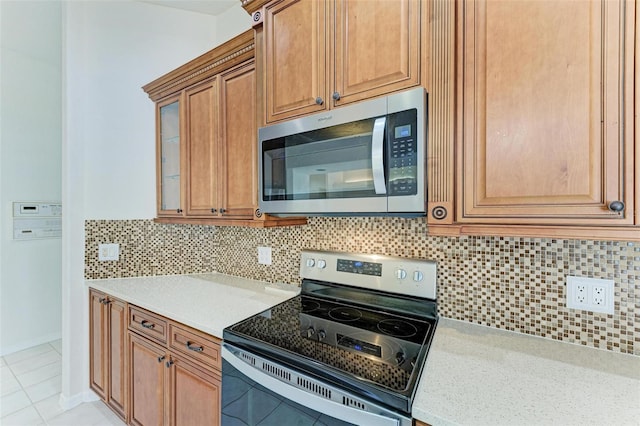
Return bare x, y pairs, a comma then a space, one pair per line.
412, 277
359, 267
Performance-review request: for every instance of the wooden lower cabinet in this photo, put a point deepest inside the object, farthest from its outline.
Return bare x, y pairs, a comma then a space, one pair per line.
194, 394
167, 389
107, 347
148, 378
151, 370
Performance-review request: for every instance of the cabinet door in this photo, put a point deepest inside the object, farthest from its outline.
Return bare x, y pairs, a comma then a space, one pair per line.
98, 343
117, 360
202, 151
194, 393
546, 104
377, 48
239, 147
295, 55
169, 158
148, 374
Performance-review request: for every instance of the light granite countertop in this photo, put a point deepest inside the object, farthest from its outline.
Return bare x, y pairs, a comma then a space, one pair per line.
477, 375
208, 302
474, 375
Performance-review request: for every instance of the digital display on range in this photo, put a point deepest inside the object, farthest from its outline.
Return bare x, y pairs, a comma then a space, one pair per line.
359, 345
359, 267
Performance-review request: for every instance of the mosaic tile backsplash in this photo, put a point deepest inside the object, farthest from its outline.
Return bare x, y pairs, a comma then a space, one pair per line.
510, 283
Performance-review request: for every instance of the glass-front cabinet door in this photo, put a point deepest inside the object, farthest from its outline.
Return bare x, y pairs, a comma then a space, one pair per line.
169, 159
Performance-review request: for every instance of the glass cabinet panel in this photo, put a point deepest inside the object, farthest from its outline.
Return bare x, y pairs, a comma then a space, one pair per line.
170, 157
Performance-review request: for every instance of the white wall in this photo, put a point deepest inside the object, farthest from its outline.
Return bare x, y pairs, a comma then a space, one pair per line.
111, 49
232, 22
30, 152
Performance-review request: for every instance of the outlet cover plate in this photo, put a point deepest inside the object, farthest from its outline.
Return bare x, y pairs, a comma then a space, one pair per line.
264, 255
108, 252
590, 294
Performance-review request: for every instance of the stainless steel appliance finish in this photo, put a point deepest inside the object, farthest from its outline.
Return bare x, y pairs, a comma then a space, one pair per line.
367, 158
351, 346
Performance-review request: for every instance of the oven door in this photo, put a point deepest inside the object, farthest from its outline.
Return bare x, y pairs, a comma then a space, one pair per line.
257, 391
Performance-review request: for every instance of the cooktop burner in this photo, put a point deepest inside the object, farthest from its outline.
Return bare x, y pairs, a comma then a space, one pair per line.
345, 314
397, 328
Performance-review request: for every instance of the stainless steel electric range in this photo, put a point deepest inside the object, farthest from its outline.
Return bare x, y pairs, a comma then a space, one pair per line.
348, 350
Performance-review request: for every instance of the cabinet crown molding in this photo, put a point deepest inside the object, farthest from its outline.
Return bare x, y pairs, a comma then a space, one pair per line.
253, 5
218, 59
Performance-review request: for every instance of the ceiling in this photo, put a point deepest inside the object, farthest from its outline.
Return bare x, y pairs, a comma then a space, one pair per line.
209, 7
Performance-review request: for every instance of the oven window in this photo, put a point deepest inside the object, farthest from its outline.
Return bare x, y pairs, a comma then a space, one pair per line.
244, 402
334, 162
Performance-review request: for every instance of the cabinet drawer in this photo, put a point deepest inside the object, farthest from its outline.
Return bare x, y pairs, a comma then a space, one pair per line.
148, 324
196, 345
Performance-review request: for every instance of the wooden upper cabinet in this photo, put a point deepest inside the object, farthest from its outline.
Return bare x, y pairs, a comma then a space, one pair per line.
322, 54
201, 138
376, 48
295, 57
170, 157
239, 150
545, 103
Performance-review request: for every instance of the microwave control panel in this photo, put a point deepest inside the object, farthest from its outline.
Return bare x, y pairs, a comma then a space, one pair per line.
402, 152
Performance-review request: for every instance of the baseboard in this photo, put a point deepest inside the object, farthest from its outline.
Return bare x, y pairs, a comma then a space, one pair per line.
68, 402
6, 350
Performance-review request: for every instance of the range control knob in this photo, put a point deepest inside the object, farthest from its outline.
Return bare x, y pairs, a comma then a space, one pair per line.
401, 274
311, 263
322, 263
400, 358
321, 335
310, 332
417, 276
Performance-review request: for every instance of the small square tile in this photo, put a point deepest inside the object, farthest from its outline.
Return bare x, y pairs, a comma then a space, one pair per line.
40, 374
28, 416
13, 402
35, 362
27, 353
49, 407
45, 389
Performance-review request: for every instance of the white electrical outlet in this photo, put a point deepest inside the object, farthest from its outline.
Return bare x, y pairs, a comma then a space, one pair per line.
590, 294
108, 252
264, 255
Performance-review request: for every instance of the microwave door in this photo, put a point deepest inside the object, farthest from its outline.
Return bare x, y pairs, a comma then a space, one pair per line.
339, 169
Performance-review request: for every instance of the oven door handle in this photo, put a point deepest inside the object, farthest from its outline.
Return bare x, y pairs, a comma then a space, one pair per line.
377, 155
306, 399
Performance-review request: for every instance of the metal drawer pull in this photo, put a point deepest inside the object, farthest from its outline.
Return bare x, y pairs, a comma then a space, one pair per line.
194, 348
147, 324
169, 364
161, 358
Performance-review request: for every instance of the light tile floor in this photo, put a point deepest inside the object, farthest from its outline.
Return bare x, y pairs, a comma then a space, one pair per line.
30, 383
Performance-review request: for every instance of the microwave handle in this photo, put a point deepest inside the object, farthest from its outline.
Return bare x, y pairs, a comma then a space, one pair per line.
377, 155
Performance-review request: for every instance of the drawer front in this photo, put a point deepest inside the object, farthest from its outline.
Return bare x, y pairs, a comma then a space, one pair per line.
198, 346
148, 324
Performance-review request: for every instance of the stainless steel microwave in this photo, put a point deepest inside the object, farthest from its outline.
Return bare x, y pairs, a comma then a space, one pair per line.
362, 159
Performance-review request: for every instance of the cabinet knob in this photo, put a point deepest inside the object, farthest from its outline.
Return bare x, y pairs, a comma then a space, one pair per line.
319, 101
213, 210
179, 210
161, 358
222, 211
616, 206
104, 301
169, 363
336, 96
